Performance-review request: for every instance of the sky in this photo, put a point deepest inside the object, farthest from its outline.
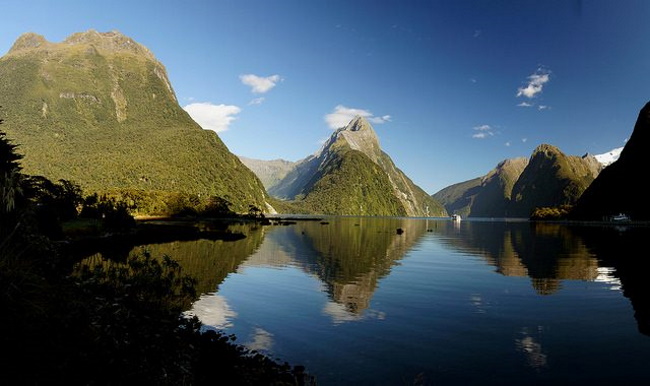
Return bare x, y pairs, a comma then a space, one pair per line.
452, 87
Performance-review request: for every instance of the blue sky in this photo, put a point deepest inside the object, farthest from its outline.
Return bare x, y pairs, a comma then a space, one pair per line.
451, 87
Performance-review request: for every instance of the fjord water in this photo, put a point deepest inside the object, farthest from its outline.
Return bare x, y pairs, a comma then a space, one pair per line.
440, 303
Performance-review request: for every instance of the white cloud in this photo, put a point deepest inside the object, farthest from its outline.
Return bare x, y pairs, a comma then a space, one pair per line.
262, 340
260, 84
535, 84
256, 101
483, 131
213, 310
342, 115
379, 120
543, 107
212, 117
340, 314
525, 104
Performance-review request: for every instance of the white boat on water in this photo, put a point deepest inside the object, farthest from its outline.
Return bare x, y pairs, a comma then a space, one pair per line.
620, 217
455, 217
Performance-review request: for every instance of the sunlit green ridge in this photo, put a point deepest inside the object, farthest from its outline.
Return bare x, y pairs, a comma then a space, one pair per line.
99, 109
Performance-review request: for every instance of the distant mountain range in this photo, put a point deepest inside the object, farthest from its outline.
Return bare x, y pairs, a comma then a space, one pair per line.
592, 187
349, 175
515, 187
269, 172
98, 109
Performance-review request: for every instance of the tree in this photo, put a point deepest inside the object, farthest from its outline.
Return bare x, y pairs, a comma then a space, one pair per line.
8, 156
11, 182
255, 212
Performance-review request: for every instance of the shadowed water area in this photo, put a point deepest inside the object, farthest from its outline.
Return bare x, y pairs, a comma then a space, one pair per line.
477, 302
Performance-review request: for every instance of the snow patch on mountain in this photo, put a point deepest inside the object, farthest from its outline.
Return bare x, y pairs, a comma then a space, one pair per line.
609, 157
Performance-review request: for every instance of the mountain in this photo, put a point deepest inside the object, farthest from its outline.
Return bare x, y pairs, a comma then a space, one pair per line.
486, 196
351, 175
98, 109
458, 198
610, 157
550, 179
516, 186
269, 172
621, 187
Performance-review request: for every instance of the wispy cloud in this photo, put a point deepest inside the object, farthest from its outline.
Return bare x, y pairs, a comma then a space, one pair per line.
525, 104
256, 101
260, 84
342, 115
535, 83
212, 117
483, 131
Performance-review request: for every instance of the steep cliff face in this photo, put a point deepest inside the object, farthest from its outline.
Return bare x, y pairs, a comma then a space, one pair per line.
497, 186
99, 109
351, 174
621, 187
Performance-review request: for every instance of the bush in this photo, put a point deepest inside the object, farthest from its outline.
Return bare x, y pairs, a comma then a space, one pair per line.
551, 213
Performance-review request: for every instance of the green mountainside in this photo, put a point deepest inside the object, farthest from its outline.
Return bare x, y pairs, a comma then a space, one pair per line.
486, 196
458, 198
349, 183
352, 175
99, 110
549, 178
497, 188
621, 187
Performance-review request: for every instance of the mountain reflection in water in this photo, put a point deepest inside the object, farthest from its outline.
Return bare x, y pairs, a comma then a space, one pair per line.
549, 253
357, 301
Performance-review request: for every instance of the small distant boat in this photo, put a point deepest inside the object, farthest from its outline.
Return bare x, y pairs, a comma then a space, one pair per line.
455, 217
621, 217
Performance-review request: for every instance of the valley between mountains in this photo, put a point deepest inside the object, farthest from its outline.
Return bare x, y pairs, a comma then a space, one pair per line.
99, 110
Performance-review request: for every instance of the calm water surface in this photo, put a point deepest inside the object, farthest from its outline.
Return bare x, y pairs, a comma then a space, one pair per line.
480, 302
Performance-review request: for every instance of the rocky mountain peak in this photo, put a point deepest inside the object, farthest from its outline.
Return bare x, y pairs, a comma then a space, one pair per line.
111, 42
546, 149
358, 123
360, 136
28, 40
